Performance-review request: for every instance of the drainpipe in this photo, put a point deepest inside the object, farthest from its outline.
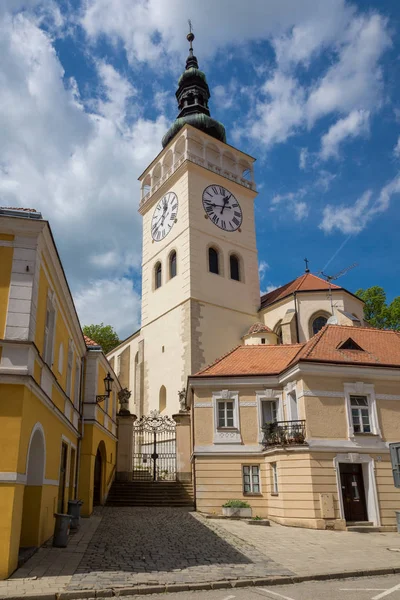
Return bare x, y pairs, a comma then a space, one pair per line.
78, 458
297, 312
193, 445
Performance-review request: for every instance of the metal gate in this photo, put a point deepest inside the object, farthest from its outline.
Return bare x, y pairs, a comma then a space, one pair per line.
154, 448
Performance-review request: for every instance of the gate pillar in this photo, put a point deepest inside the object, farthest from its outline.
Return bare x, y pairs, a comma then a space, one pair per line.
183, 446
125, 447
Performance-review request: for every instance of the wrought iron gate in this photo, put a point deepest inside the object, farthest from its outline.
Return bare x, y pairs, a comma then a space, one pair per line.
154, 448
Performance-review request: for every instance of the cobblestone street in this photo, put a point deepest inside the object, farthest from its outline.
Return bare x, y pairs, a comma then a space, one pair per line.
165, 545
127, 547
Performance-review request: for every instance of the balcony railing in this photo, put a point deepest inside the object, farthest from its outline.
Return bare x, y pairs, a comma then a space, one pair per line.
284, 433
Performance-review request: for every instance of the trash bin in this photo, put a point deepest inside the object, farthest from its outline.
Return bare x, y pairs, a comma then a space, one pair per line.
398, 520
61, 530
74, 509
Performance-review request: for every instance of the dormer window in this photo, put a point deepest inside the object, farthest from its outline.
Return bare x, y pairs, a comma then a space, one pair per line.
350, 344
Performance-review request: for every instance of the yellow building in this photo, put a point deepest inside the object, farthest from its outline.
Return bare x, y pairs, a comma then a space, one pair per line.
56, 442
301, 431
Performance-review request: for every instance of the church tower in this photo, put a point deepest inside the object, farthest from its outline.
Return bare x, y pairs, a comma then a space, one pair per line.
200, 284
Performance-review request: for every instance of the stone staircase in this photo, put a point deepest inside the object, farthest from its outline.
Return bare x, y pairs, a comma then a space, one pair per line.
362, 526
149, 493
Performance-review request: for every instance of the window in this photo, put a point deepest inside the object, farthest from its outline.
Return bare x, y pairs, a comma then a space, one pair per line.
49, 328
157, 275
225, 414
213, 261
360, 414
269, 409
263, 340
318, 323
172, 264
77, 384
61, 358
251, 479
278, 332
162, 400
69, 369
274, 476
292, 406
234, 266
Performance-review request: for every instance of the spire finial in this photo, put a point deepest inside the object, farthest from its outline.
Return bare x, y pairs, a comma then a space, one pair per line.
190, 37
307, 270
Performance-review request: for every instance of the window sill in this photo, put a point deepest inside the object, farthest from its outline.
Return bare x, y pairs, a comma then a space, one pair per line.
227, 429
274, 493
252, 494
364, 433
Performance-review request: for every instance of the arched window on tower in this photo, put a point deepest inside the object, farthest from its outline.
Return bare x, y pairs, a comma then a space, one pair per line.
234, 267
162, 400
172, 264
157, 275
278, 331
213, 261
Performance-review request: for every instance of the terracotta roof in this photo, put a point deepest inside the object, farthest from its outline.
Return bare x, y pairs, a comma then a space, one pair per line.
379, 348
259, 328
90, 342
304, 283
18, 208
253, 360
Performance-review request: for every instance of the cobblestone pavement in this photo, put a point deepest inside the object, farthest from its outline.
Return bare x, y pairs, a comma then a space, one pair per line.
135, 546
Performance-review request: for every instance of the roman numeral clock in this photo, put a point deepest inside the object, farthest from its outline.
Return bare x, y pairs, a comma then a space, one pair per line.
164, 216
222, 208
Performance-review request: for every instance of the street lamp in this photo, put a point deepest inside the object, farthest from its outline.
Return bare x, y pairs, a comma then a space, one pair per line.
108, 381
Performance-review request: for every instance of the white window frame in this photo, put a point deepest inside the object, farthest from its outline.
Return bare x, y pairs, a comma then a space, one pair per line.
274, 479
227, 435
77, 383
226, 416
359, 409
49, 330
70, 360
251, 492
362, 389
272, 396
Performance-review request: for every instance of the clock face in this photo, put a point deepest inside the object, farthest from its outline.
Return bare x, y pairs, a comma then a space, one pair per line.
164, 216
222, 208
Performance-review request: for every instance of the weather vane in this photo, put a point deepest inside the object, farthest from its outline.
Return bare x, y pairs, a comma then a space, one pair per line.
190, 36
307, 261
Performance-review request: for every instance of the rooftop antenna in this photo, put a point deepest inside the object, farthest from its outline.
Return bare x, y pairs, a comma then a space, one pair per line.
330, 278
307, 270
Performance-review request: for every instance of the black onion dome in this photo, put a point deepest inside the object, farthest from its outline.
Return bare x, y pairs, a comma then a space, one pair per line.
192, 95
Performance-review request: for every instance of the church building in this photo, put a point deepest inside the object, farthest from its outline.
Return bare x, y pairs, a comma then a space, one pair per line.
200, 281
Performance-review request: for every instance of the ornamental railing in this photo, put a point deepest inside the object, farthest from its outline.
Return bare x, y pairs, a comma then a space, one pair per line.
284, 433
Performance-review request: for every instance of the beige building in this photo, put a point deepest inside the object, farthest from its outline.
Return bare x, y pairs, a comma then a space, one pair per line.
301, 431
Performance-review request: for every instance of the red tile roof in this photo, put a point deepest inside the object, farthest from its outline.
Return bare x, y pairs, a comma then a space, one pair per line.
253, 360
90, 342
22, 209
379, 348
304, 283
259, 328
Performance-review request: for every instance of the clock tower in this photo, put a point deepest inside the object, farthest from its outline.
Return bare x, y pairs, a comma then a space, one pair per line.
200, 284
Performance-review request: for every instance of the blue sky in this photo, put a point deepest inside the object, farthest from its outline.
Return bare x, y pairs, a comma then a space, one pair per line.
310, 88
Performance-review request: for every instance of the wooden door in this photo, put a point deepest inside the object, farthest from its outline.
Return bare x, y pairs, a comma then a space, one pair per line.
63, 473
352, 482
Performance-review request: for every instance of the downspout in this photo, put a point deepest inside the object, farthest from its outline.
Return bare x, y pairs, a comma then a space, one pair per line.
78, 463
193, 446
297, 316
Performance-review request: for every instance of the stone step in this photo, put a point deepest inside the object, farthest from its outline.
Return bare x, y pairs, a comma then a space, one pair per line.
359, 523
363, 528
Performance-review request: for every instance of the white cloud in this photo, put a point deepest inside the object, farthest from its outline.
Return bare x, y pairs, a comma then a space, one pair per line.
324, 180
303, 158
225, 96
110, 301
292, 203
263, 268
353, 219
354, 125
77, 164
269, 288
396, 149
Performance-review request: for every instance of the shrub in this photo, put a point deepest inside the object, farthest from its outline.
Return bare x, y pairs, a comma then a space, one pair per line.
236, 504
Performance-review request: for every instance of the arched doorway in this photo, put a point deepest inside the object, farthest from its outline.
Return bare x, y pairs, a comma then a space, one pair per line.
99, 475
35, 469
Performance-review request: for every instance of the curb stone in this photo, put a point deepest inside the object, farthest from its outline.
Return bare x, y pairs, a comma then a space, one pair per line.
215, 585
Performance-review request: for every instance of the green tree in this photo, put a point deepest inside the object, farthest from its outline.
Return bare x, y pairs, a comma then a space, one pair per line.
376, 310
104, 335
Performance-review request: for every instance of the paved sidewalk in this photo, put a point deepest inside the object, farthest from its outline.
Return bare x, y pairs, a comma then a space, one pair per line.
125, 547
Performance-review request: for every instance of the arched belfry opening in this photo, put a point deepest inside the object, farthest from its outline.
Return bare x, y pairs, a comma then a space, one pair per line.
32, 503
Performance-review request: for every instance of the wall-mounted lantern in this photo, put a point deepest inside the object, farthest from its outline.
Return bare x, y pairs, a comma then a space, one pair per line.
108, 381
